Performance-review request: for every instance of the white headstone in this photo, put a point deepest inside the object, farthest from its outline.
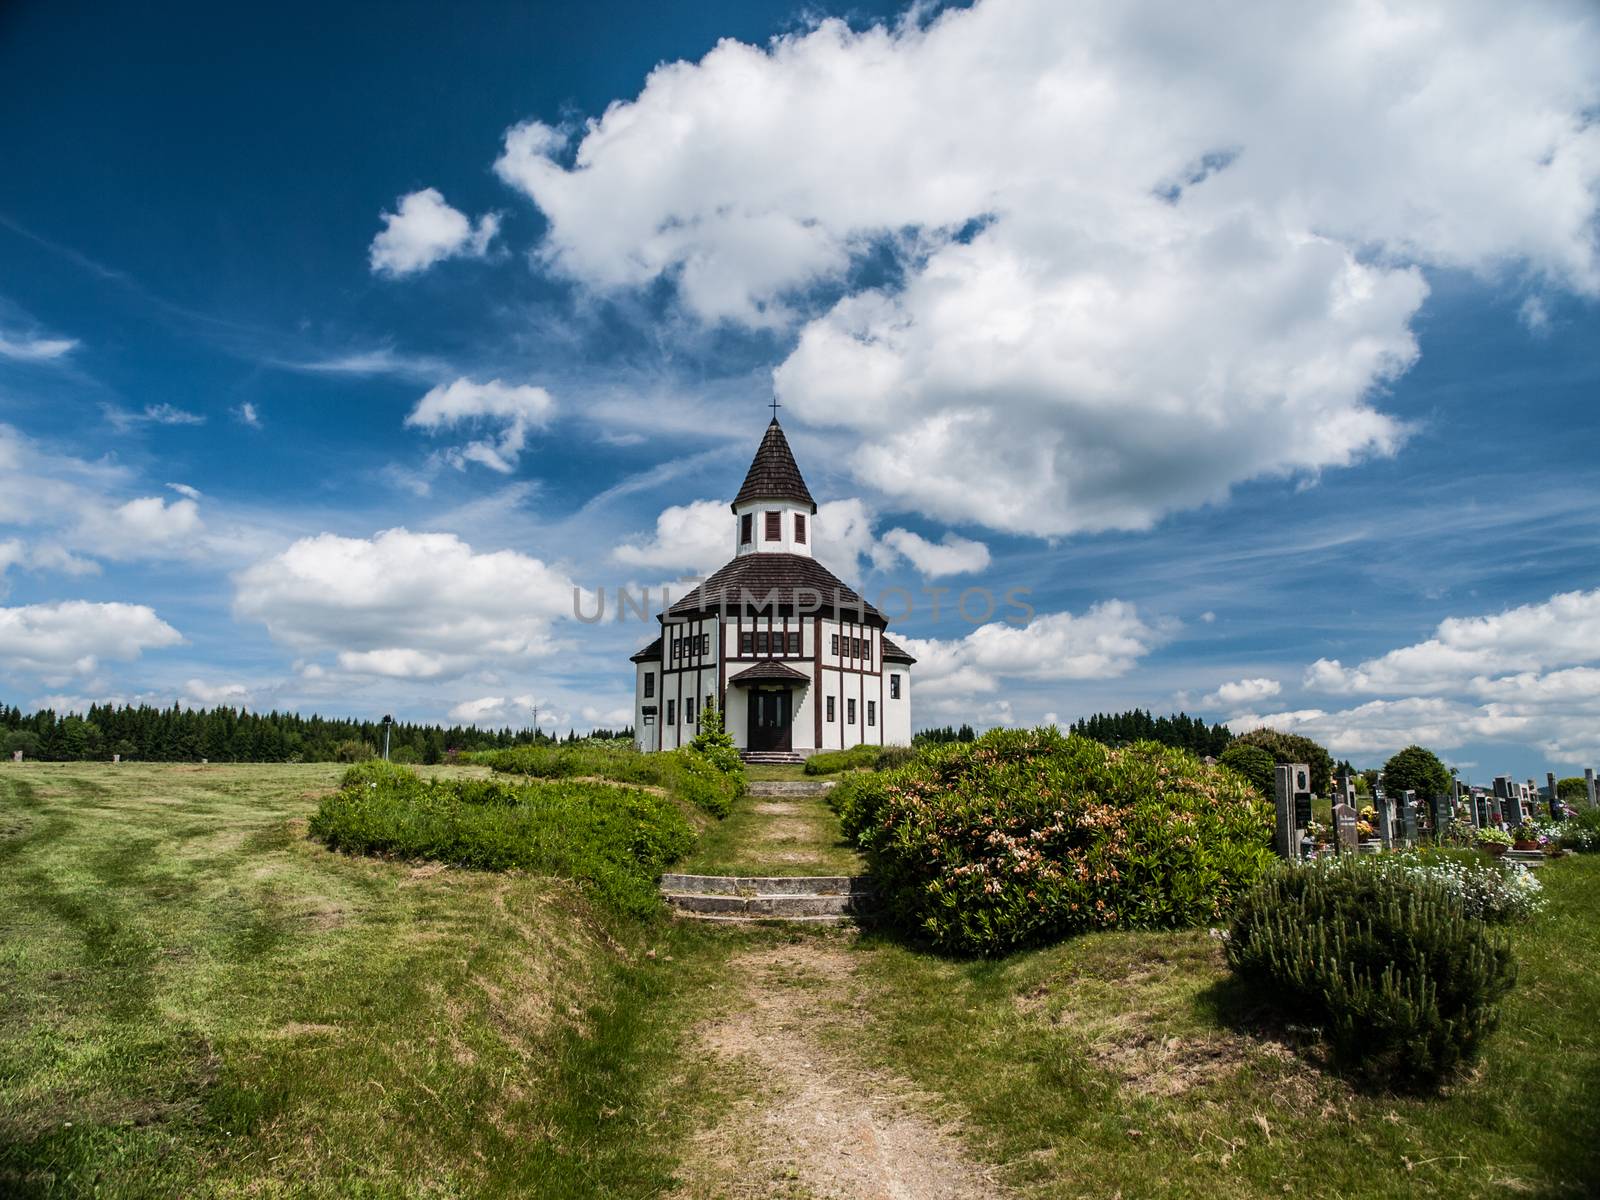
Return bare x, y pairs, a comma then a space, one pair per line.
1588, 783
16, 756
116, 758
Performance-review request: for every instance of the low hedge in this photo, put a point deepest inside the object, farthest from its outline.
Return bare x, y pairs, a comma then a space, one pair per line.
1404, 982
699, 779
870, 758
1025, 836
615, 840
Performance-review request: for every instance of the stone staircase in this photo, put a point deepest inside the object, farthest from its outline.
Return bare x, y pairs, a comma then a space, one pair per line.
813, 899
772, 757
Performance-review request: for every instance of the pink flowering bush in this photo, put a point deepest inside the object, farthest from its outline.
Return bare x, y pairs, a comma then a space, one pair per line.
1025, 836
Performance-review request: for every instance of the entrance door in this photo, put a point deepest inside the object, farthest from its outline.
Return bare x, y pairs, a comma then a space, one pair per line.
769, 721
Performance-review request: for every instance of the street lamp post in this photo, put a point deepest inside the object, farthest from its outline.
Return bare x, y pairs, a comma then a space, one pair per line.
388, 723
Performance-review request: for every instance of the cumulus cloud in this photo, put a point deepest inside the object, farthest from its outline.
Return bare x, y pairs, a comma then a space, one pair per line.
204, 694
71, 637
950, 556
425, 230
1561, 631
1130, 277
1524, 674
404, 604
698, 536
23, 348
514, 408
1105, 642
248, 415
141, 528
1242, 691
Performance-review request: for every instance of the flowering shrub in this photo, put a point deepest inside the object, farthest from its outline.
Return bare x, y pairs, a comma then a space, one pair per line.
1486, 891
1025, 835
1581, 832
1404, 983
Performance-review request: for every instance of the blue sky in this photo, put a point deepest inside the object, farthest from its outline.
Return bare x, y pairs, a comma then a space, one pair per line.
336, 347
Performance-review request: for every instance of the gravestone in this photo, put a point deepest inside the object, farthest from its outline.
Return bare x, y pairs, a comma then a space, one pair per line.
1385, 810
16, 756
1480, 808
1344, 828
1408, 817
1286, 837
1443, 814
1555, 800
1588, 784
116, 758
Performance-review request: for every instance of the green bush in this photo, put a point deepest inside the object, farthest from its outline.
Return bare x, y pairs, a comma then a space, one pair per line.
1404, 983
1254, 763
831, 762
860, 758
1292, 748
709, 783
613, 840
1025, 836
715, 743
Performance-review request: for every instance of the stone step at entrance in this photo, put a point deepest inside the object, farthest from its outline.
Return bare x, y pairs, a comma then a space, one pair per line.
808, 898
790, 789
772, 758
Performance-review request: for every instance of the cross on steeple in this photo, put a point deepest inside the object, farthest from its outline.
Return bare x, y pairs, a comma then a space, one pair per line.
774, 406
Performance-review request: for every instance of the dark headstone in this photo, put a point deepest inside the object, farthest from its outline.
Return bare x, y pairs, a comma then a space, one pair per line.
1408, 817
1344, 827
1385, 810
1555, 799
1443, 814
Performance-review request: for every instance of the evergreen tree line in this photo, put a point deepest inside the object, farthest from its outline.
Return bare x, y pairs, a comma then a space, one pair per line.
149, 734
1181, 731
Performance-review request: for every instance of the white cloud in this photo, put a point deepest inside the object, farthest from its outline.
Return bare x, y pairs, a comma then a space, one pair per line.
34, 349
185, 490
208, 695
123, 419
698, 536
403, 604
1524, 675
71, 637
1561, 631
1146, 254
1106, 641
247, 414
950, 556
426, 230
149, 525
1242, 691
515, 408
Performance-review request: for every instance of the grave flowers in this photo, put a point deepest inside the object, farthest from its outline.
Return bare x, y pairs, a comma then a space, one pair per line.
1527, 836
1495, 841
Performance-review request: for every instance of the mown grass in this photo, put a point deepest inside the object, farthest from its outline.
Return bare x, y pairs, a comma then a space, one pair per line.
775, 835
201, 1001
1129, 1063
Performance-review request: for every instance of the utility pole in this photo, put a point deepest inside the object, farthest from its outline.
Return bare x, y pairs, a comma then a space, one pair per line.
388, 723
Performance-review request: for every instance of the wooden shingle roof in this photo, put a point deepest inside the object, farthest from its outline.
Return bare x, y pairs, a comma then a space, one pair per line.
770, 671
778, 584
773, 473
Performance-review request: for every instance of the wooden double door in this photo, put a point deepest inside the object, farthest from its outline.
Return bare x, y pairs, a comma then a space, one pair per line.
771, 719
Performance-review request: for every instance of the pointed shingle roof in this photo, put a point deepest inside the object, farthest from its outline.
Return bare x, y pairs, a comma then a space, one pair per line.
773, 474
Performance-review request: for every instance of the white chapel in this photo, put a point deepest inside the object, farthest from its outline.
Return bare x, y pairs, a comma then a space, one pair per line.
796, 660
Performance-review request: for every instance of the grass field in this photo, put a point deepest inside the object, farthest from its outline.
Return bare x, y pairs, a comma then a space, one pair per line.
199, 1000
